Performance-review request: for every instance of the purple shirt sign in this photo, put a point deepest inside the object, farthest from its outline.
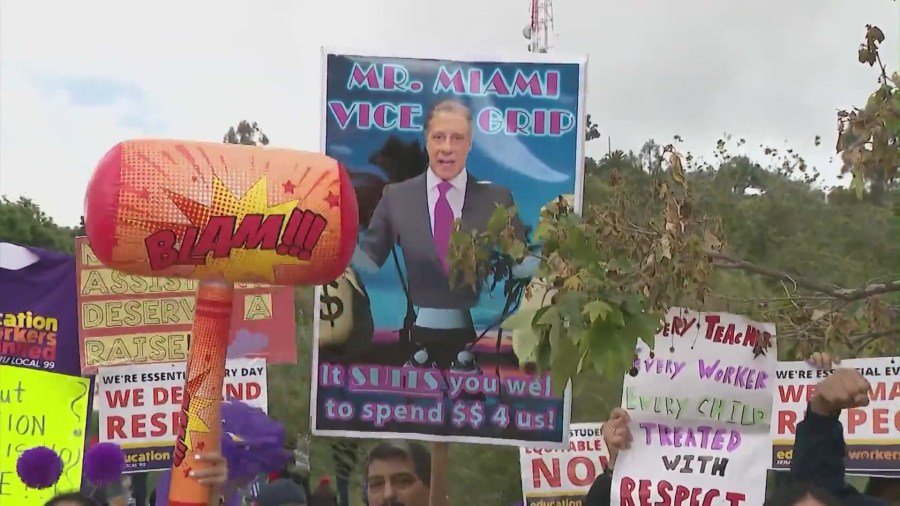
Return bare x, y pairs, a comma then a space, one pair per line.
39, 315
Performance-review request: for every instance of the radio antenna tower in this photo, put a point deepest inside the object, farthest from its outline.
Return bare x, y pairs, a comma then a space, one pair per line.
538, 32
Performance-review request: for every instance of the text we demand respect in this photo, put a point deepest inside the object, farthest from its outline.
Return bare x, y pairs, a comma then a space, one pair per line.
797, 385
144, 405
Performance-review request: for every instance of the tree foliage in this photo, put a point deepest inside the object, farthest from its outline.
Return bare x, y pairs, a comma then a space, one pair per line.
246, 133
23, 222
869, 137
662, 229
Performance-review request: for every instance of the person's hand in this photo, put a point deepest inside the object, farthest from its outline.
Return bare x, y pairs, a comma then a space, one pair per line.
842, 389
823, 361
616, 433
215, 473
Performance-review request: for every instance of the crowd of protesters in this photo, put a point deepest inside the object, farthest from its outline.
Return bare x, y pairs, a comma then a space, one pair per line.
409, 473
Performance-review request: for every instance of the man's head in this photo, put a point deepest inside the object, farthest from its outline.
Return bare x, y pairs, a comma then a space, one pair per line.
801, 494
398, 474
448, 137
884, 488
71, 499
282, 492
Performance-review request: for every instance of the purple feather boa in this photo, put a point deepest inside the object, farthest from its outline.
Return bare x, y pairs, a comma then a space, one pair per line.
252, 443
258, 442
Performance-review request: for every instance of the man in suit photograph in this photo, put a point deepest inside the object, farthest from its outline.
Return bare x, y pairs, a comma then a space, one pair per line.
418, 215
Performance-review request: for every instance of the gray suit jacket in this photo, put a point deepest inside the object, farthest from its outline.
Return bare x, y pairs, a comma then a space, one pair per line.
402, 217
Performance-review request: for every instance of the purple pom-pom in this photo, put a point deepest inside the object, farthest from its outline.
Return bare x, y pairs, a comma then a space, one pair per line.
39, 467
104, 463
258, 445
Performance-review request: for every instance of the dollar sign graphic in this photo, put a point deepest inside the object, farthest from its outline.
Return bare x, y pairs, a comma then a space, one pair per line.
332, 307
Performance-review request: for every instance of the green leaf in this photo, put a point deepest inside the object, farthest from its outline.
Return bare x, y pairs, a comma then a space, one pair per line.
543, 230
858, 184
517, 250
641, 326
577, 246
597, 309
521, 319
498, 220
525, 345
633, 303
605, 345
563, 359
548, 317
615, 317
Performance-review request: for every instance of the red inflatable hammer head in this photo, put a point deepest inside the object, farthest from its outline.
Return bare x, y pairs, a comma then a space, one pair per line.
221, 211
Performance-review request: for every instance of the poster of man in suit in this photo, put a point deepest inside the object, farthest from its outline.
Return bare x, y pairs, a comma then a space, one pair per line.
402, 348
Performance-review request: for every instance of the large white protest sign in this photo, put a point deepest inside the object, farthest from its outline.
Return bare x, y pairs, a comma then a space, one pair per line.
564, 476
872, 433
140, 406
700, 403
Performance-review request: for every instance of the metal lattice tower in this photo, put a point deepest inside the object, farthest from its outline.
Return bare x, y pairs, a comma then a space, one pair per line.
541, 27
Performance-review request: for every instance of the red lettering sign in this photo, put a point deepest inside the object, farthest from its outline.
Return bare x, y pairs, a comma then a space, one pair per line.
221, 234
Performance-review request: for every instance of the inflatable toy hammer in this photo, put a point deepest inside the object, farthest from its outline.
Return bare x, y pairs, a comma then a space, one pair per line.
222, 214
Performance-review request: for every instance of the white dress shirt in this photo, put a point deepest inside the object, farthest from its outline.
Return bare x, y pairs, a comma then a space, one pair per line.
456, 196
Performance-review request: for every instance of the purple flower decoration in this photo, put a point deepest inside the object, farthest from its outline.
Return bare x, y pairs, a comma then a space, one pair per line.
39, 467
258, 442
104, 463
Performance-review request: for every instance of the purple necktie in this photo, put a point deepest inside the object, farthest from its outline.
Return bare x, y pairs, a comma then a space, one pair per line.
443, 224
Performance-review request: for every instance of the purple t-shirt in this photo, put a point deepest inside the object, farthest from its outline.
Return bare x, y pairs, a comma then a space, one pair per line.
39, 314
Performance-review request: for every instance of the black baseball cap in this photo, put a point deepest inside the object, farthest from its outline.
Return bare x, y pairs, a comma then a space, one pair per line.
281, 492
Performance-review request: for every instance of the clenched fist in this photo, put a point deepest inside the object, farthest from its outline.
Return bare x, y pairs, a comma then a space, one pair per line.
844, 388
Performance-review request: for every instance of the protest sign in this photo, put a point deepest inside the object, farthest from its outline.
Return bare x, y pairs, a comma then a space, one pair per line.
515, 127
41, 408
564, 476
140, 406
700, 403
38, 314
128, 319
872, 433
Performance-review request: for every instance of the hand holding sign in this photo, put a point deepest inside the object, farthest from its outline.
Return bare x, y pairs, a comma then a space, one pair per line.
616, 433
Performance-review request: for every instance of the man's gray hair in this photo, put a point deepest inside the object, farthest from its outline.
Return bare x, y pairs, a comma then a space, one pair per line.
452, 105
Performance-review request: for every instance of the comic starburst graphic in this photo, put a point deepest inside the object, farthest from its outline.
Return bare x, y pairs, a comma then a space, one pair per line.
197, 412
242, 263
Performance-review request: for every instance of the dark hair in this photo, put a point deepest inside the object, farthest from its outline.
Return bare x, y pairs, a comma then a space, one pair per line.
879, 485
403, 450
448, 105
76, 497
796, 492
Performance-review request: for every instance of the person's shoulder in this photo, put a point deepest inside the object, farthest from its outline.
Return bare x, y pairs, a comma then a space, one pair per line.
600, 491
495, 190
403, 186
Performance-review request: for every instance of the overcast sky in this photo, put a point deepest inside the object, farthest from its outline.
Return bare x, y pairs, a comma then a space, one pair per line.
77, 77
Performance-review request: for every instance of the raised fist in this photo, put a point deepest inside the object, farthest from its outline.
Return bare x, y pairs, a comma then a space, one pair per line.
616, 434
844, 388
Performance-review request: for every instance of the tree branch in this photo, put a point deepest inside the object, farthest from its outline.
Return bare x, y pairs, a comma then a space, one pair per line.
863, 340
724, 261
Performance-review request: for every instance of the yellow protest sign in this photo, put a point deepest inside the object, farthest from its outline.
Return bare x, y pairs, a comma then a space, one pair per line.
40, 408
